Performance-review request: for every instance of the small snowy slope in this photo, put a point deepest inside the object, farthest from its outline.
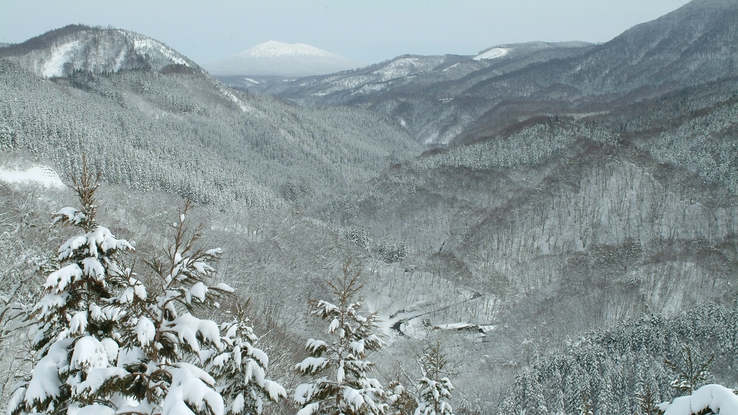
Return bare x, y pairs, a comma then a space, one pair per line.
40, 175
60, 55
492, 54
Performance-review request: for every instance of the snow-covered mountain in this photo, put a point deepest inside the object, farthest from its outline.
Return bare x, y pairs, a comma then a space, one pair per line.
282, 59
77, 47
478, 97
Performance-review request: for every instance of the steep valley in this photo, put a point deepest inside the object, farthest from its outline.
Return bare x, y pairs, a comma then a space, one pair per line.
539, 213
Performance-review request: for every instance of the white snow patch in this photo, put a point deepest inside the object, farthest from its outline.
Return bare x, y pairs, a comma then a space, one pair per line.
41, 175
54, 66
492, 54
455, 326
143, 44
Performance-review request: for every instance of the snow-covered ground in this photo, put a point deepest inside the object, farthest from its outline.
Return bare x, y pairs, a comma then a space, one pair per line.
60, 55
492, 54
40, 175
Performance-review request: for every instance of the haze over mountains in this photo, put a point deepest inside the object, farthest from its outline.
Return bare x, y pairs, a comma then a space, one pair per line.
532, 192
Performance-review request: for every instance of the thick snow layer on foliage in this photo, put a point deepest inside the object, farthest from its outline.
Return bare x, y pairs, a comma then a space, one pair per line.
305, 391
353, 397
193, 386
259, 356
314, 345
309, 409
96, 378
63, 277
145, 331
111, 347
199, 290
45, 381
89, 353
274, 390
100, 237
93, 268
188, 327
78, 323
719, 399
312, 364
93, 409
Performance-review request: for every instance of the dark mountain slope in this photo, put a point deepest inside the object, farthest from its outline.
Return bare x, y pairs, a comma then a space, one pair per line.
690, 46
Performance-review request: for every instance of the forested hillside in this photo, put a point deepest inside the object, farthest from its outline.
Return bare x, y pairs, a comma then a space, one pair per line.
554, 260
151, 130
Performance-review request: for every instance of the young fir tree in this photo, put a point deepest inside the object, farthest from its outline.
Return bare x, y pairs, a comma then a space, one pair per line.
399, 400
348, 390
241, 367
435, 386
78, 320
177, 362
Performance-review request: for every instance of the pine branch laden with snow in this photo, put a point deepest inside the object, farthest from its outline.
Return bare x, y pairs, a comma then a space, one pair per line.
344, 387
76, 320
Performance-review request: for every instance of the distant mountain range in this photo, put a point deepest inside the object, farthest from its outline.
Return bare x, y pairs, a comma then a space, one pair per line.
454, 99
281, 60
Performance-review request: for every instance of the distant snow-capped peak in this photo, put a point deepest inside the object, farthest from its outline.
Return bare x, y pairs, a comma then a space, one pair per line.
282, 59
273, 49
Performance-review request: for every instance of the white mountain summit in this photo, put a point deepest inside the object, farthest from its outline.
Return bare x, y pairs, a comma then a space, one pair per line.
282, 59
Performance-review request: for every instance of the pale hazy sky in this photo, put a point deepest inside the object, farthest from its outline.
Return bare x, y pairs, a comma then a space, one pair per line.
366, 30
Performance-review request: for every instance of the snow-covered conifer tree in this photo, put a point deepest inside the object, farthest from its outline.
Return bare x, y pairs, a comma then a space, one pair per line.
108, 344
399, 400
78, 320
435, 386
166, 346
241, 369
345, 388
